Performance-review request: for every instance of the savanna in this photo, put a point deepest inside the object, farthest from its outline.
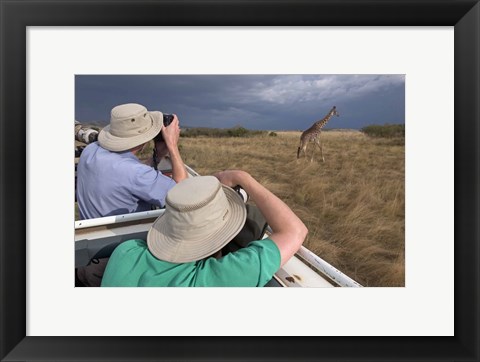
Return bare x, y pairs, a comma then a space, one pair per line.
353, 203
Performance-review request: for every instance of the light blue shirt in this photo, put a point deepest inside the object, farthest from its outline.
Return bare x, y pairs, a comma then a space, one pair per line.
116, 183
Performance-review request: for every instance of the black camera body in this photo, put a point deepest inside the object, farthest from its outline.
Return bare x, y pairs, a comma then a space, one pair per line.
167, 119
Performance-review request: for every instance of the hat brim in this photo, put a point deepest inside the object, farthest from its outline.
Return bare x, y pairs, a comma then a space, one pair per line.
164, 247
118, 144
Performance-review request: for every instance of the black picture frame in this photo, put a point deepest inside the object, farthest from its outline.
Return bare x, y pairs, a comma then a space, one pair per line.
17, 15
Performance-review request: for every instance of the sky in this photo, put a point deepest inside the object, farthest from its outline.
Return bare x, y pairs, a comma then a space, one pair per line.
264, 102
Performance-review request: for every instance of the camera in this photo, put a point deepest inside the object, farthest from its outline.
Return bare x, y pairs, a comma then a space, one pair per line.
167, 119
242, 193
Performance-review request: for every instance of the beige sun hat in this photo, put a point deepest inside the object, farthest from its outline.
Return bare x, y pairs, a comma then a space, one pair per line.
130, 125
200, 218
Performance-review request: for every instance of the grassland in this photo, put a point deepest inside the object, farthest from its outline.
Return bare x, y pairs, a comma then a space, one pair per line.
353, 203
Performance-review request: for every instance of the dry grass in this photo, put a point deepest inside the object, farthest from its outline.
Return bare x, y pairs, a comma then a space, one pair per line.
353, 204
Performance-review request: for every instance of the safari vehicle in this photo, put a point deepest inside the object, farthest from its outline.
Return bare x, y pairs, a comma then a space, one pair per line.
97, 238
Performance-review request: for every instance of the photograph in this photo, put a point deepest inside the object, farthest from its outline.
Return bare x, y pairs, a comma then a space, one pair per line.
223, 150
330, 147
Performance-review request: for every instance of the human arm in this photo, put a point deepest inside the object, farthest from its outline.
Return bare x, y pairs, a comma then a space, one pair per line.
171, 135
288, 231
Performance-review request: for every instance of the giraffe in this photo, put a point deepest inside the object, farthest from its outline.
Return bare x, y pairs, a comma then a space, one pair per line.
313, 135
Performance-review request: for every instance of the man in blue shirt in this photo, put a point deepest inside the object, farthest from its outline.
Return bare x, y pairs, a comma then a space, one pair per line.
111, 180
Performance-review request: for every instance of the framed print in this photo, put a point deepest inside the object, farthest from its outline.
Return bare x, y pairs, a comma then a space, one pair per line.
20, 339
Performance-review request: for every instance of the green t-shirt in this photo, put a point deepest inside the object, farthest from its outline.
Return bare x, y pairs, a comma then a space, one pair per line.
132, 265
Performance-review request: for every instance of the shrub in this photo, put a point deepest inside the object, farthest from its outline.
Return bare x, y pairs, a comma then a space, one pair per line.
272, 134
220, 132
237, 132
385, 131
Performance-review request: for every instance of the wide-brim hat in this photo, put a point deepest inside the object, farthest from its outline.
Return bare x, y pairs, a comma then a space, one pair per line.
130, 125
201, 216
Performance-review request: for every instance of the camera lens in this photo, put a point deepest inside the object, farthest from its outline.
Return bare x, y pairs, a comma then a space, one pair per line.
167, 119
242, 193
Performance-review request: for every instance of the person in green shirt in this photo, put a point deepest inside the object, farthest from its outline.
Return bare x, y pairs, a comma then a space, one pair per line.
184, 245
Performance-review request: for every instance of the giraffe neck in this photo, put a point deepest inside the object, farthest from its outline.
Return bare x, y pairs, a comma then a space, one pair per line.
323, 122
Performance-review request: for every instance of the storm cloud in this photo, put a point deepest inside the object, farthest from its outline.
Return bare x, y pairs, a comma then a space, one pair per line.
271, 102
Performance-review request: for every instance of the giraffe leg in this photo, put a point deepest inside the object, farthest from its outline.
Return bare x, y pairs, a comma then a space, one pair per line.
313, 151
319, 144
302, 149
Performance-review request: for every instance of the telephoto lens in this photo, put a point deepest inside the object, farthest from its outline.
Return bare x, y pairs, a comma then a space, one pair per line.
92, 137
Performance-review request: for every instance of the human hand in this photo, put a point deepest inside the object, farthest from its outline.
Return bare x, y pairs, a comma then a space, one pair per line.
232, 178
171, 133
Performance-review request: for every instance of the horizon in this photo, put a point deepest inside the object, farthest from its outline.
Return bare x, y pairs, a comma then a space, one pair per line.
186, 126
